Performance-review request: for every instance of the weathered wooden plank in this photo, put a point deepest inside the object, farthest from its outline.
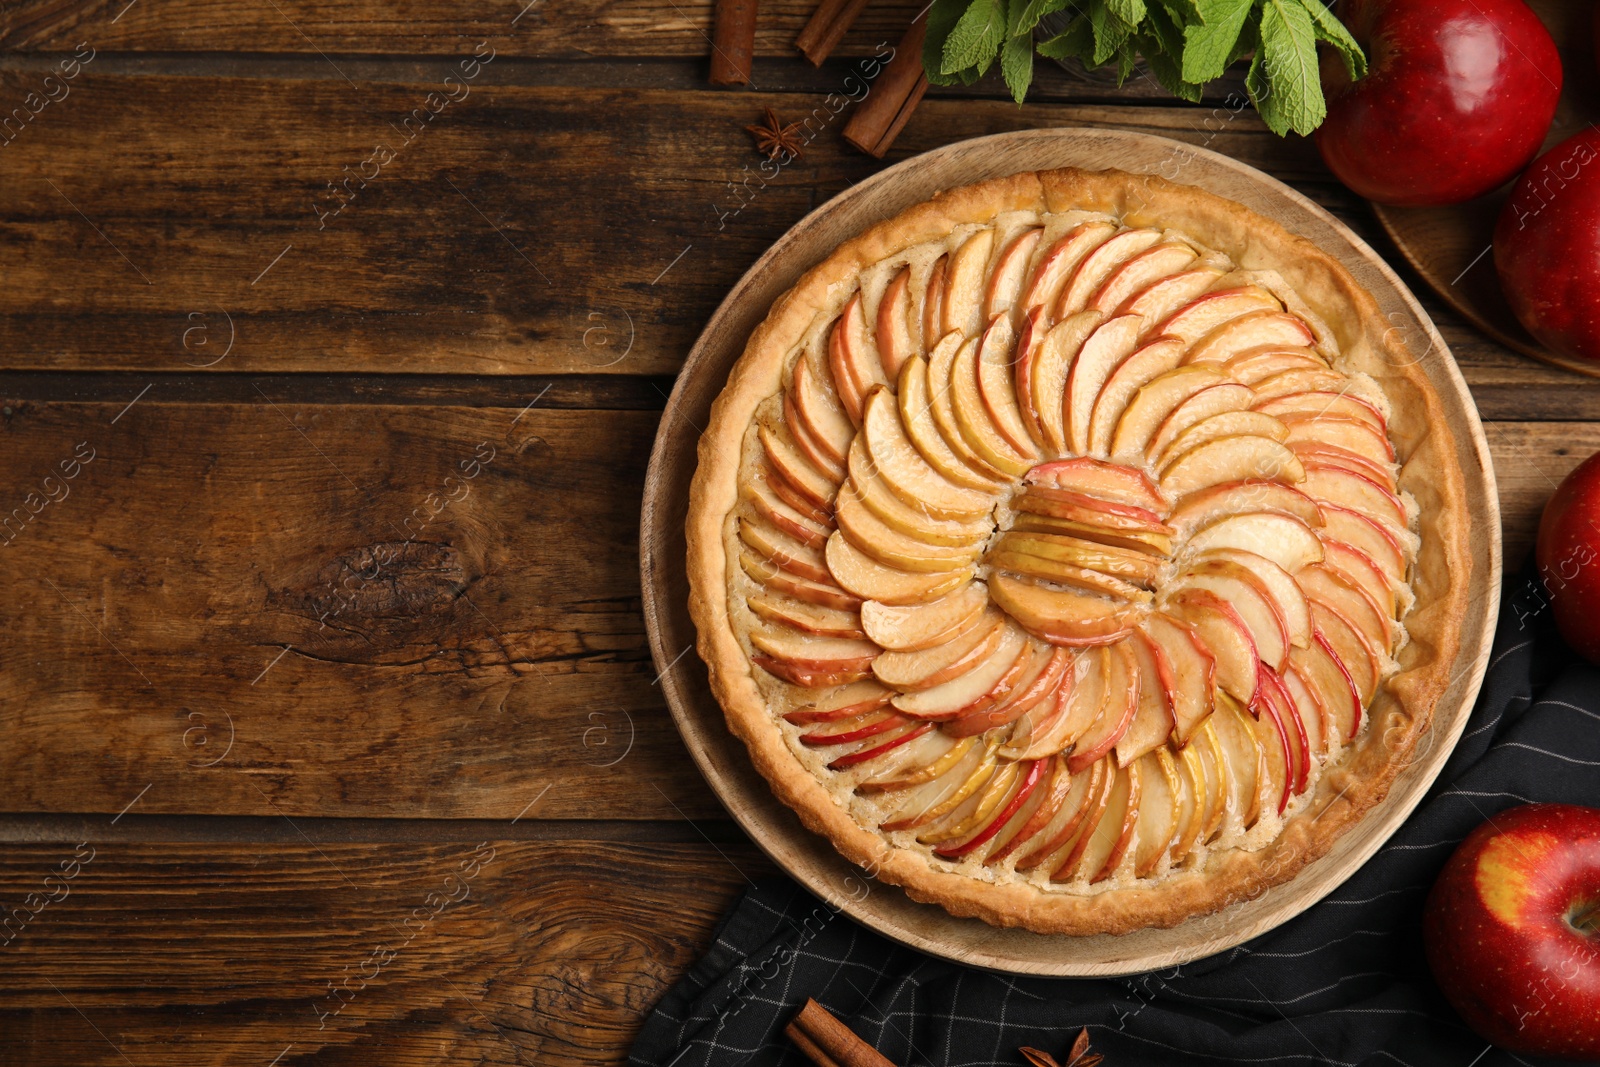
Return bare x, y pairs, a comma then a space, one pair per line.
329, 610
447, 261
194, 955
1530, 459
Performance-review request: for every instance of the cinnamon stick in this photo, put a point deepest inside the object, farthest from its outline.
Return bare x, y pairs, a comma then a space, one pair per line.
733, 42
834, 1039
894, 96
827, 27
809, 1048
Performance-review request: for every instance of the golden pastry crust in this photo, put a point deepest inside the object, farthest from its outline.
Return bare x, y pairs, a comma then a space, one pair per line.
1399, 713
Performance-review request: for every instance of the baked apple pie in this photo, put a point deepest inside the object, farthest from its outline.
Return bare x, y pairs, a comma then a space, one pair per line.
1078, 551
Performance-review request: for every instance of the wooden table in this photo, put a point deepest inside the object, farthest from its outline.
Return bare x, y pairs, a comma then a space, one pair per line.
329, 732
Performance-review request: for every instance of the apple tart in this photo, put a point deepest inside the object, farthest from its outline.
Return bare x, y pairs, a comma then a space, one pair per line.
1079, 551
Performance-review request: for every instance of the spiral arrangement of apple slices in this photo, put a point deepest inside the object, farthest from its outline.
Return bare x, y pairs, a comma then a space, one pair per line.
1075, 554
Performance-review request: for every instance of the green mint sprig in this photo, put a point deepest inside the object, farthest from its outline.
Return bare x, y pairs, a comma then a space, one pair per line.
1185, 44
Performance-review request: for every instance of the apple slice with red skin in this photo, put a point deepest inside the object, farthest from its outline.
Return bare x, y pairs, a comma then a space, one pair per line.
1157, 302
1139, 272
818, 409
1159, 814
943, 795
853, 358
1257, 364
1275, 583
1374, 540
1307, 380
1098, 265
1325, 675
1040, 683
1356, 492
1191, 683
1068, 575
1335, 403
1068, 504
1235, 423
1097, 478
986, 679
1049, 796
771, 577
778, 514
1096, 813
1114, 833
1152, 543
1212, 309
928, 667
1276, 734
1150, 407
808, 678
1258, 329
1061, 617
1283, 539
1229, 459
845, 702
1153, 359
785, 462
1314, 718
973, 420
1084, 802
810, 653
1248, 598
1200, 508
850, 731
1029, 781
1273, 692
1127, 564
1352, 435
786, 492
1321, 454
1152, 722
818, 456
1021, 670
966, 280
858, 573
1218, 399
809, 618
1364, 573
1117, 711
924, 773
783, 551
1226, 636
933, 303
1349, 650
1339, 593
1041, 730
996, 385
907, 734
1031, 333
895, 341
1049, 363
1238, 749
1009, 275
1058, 263
966, 817
913, 627
1112, 342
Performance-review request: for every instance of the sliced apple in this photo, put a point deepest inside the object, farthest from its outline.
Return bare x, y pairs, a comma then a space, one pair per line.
1061, 617
1258, 329
883, 746
1318, 454
786, 492
1361, 571
915, 669
844, 702
1160, 798
1154, 542
1097, 478
1099, 265
1139, 272
827, 594
1277, 584
1041, 684
775, 512
1238, 587
916, 415
1230, 459
1042, 730
1084, 802
1008, 276
1191, 671
1071, 864
784, 551
1066, 574
933, 302
859, 573
987, 678
1048, 800
1154, 359
853, 358
1204, 506
941, 404
1220, 781
1352, 435
973, 420
1339, 404
1127, 564
1354, 651
1239, 749
1150, 407
939, 798
1069, 504
1194, 803
1028, 780
1354, 492
1117, 710
1211, 310
849, 731
1282, 766
1225, 635
966, 281
996, 388
921, 773
1162, 298
1048, 371
1328, 586
1320, 670
1214, 400
910, 477
896, 343
812, 662
1315, 720
818, 408
912, 520
1233, 423
1257, 364
893, 548
1152, 720
1298, 381
787, 463
1059, 262
811, 618
912, 627
976, 810
1373, 539
1111, 343
1114, 835
1283, 539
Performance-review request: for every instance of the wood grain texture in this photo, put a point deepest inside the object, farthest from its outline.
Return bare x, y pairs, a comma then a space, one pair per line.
195, 955
418, 611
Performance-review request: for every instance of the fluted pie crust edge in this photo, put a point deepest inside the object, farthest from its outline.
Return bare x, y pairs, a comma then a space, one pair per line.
1430, 471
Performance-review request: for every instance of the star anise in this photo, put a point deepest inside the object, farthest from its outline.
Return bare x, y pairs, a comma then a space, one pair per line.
1080, 1056
773, 138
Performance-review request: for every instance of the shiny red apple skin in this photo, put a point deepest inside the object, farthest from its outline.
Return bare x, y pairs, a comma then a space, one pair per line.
1457, 99
1547, 247
1568, 555
1499, 934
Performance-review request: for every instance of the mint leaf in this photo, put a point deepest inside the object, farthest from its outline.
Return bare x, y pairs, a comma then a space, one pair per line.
1016, 56
1249, 42
1109, 32
1027, 15
1127, 56
1183, 11
1208, 44
1074, 42
1167, 70
1330, 29
942, 18
1289, 51
975, 39
1255, 83
1166, 34
1129, 11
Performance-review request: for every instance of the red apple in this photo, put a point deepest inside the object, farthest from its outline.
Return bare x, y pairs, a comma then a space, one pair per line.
1547, 247
1568, 554
1457, 99
1511, 930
